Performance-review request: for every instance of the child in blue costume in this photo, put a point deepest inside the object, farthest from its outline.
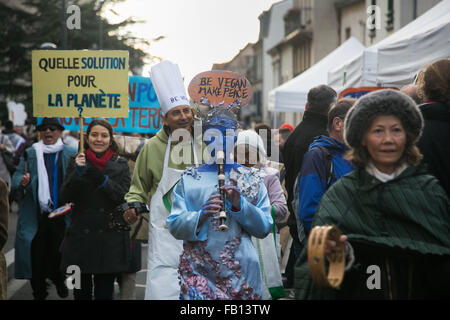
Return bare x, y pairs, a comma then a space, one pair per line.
216, 264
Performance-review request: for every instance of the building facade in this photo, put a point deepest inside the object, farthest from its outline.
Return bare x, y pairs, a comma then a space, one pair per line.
296, 34
311, 32
244, 63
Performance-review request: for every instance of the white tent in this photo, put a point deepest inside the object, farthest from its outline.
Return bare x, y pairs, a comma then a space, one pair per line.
361, 70
291, 95
399, 62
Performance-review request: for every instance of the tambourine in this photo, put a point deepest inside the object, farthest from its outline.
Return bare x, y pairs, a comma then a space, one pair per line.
326, 271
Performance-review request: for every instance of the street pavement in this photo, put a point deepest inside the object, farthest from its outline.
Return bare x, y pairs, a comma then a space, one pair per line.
21, 289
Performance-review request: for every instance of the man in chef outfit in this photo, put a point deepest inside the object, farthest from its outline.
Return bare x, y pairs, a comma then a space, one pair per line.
159, 166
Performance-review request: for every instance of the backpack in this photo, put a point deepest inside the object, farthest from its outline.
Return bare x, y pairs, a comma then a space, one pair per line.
329, 177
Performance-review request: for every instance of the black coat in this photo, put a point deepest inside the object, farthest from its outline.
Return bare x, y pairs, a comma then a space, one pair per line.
88, 242
435, 141
312, 125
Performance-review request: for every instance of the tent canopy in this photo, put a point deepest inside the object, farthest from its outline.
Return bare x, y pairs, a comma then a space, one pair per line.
292, 95
399, 62
362, 70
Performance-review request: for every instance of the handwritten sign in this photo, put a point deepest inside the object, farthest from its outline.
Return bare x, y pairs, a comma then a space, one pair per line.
66, 82
144, 111
220, 87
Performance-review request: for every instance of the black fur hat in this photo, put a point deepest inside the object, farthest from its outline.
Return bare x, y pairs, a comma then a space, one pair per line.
384, 102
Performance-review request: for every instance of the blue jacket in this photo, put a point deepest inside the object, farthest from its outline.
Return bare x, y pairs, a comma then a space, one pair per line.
27, 223
313, 175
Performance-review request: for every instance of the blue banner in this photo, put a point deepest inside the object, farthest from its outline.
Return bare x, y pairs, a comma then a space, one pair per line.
357, 93
144, 111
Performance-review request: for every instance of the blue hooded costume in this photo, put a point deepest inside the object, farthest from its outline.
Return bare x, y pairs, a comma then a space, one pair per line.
215, 264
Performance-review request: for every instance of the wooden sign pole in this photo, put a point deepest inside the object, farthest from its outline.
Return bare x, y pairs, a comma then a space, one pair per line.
81, 135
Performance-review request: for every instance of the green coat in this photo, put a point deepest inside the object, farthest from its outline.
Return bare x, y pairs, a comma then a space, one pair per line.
401, 226
149, 168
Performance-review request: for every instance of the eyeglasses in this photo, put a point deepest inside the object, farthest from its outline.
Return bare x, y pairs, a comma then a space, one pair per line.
52, 128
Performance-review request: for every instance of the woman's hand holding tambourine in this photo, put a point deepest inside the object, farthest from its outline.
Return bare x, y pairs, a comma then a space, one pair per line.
331, 246
326, 256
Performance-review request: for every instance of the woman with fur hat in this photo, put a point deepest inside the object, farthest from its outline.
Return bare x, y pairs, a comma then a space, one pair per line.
393, 213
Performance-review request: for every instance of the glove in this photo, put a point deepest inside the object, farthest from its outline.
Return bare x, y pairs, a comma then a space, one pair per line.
95, 175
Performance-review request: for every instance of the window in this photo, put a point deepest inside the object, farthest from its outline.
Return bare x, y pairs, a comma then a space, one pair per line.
276, 65
390, 15
373, 32
257, 102
291, 21
302, 57
258, 65
348, 33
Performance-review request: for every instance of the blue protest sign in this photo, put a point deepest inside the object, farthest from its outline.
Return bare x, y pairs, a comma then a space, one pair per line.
144, 111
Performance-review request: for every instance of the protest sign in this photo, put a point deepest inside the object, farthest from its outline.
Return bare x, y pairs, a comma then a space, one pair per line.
69, 82
144, 111
220, 87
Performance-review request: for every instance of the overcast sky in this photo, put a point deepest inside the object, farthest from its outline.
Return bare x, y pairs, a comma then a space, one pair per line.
198, 32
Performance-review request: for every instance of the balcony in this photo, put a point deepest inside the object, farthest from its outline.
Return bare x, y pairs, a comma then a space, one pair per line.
297, 19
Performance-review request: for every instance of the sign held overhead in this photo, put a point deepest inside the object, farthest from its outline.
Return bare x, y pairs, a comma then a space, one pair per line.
67, 83
220, 87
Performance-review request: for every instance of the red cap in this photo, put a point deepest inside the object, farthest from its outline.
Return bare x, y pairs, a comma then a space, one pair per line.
287, 126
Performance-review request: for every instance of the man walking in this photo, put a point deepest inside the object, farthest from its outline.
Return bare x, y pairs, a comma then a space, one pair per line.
314, 124
159, 166
322, 166
37, 180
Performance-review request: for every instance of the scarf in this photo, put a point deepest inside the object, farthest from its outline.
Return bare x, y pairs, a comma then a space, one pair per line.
384, 177
99, 163
45, 200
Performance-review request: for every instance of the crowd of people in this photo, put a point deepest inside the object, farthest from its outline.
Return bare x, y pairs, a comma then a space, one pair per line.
375, 167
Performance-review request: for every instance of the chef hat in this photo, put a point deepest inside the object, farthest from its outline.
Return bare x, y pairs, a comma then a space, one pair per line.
169, 87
